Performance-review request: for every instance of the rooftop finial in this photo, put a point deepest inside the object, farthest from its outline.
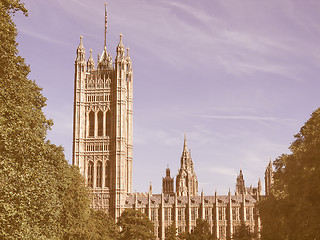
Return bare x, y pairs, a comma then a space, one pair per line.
185, 142
105, 24
150, 188
120, 47
128, 51
81, 44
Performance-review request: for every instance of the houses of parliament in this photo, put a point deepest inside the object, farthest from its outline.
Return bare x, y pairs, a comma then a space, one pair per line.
102, 149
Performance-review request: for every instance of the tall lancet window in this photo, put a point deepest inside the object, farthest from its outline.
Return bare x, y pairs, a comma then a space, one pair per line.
90, 174
100, 123
108, 123
99, 174
107, 174
91, 124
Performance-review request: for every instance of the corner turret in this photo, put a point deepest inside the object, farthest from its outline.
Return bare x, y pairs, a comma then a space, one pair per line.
80, 52
120, 50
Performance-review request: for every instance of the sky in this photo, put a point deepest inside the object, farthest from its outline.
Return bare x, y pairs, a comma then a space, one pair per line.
240, 78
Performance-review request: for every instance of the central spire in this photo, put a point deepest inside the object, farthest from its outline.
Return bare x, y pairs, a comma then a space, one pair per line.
185, 147
105, 24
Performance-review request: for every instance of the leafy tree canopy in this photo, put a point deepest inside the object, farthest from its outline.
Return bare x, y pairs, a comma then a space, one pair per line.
102, 226
41, 196
135, 225
292, 209
243, 232
171, 232
200, 232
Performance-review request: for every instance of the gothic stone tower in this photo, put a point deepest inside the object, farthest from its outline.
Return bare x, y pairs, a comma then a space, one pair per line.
186, 181
102, 131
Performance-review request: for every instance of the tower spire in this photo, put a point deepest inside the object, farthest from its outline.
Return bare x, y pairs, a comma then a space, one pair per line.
105, 24
185, 147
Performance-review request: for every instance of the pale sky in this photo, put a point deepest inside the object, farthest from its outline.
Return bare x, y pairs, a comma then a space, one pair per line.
238, 77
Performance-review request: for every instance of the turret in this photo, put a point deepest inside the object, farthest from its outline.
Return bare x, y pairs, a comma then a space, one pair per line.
259, 190
240, 186
80, 65
80, 52
79, 97
120, 50
268, 177
129, 63
168, 183
90, 63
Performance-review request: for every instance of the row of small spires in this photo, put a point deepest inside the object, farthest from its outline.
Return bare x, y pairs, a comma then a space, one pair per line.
229, 193
106, 58
145, 194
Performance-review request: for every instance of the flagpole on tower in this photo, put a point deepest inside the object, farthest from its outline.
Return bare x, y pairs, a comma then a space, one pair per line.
105, 24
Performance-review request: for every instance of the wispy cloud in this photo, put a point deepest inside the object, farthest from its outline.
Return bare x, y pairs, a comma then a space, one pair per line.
248, 117
241, 67
43, 37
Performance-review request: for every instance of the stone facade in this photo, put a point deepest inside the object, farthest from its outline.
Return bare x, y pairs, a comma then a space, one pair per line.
102, 149
183, 208
102, 133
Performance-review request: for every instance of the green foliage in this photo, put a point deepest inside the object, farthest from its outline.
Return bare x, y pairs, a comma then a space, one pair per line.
291, 211
135, 226
28, 194
171, 232
243, 233
41, 196
200, 232
75, 204
102, 226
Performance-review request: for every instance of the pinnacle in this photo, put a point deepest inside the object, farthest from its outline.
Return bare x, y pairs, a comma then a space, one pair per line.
185, 148
120, 45
81, 44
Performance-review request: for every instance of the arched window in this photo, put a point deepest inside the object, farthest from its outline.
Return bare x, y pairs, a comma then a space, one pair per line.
99, 174
100, 123
91, 124
90, 174
107, 174
108, 123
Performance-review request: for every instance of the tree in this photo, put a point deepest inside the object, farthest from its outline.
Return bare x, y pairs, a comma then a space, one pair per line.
200, 232
28, 195
243, 232
102, 226
75, 204
41, 196
291, 211
171, 232
135, 225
